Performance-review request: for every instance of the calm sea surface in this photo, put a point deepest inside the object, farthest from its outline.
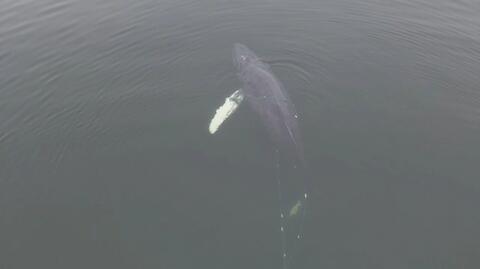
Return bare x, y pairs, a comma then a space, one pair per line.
106, 161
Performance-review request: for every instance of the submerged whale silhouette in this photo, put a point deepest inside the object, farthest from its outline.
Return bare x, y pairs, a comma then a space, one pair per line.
268, 98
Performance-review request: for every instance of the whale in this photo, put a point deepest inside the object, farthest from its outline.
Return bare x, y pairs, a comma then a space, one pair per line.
267, 96
268, 99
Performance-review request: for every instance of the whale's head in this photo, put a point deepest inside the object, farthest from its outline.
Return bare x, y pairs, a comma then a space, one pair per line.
243, 56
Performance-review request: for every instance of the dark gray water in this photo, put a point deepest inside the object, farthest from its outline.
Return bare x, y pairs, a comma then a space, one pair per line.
106, 161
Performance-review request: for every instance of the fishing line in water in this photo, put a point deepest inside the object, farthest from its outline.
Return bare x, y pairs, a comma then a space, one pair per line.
282, 216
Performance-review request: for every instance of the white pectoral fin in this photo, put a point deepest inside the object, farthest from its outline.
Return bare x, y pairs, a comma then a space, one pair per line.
226, 110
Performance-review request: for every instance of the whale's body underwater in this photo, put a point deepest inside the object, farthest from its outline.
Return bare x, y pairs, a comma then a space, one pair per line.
268, 98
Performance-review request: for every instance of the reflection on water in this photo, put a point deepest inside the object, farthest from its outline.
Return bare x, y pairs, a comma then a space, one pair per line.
106, 159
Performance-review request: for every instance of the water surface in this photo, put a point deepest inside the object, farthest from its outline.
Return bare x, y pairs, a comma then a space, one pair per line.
106, 160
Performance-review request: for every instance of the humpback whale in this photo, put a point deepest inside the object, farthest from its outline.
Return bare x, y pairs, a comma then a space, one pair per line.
267, 97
